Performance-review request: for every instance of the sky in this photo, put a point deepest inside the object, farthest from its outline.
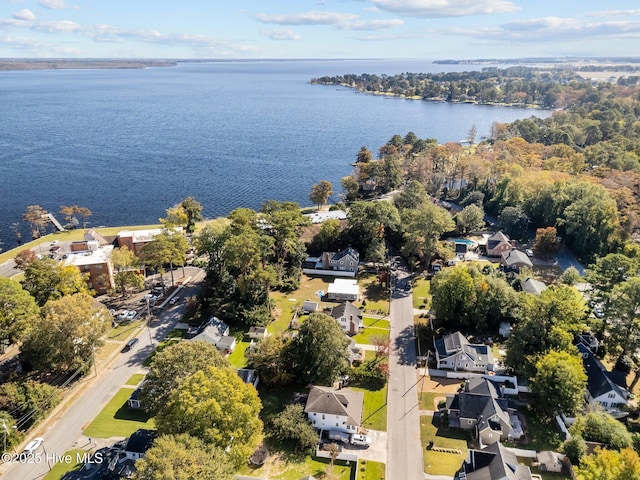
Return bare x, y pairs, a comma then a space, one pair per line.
288, 29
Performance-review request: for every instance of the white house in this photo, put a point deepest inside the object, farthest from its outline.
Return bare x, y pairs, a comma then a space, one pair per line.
343, 289
329, 409
454, 352
349, 317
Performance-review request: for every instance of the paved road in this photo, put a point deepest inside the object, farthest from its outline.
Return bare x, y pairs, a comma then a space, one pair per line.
66, 432
404, 450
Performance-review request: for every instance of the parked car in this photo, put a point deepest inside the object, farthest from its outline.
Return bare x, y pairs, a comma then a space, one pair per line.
129, 345
131, 315
360, 440
33, 445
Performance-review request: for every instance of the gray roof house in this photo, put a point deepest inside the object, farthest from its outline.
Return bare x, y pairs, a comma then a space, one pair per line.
329, 409
216, 333
348, 316
514, 260
604, 388
454, 352
480, 409
494, 462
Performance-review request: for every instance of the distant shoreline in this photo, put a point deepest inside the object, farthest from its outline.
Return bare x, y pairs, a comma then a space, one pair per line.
80, 64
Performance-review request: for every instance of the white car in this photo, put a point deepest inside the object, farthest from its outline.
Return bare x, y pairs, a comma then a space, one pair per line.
131, 315
33, 445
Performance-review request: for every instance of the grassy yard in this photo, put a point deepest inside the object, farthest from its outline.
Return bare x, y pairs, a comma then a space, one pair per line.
373, 327
283, 466
374, 412
118, 420
135, 379
421, 293
441, 463
60, 468
370, 470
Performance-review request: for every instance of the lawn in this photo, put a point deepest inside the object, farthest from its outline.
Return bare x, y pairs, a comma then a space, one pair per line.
374, 327
370, 470
60, 468
421, 293
135, 379
375, 297
374, 411
124, 330
118, 420
442, 463
289, 466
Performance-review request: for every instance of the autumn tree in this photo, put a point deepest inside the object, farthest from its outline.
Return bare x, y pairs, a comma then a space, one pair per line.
17, 310
559, 384
171, 366
183, 457
320, 350
320, 193
64, 336
217, 407
126, 265
35, 217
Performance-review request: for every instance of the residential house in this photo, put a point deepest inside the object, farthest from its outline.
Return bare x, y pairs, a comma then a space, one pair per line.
329, 409
343, 290
494, 462
607, 389
94, 261
514, 260
349, 317
497, 244
346, 260
139, 442
257, 333
533, 286
215, 332
482, 410
454, 352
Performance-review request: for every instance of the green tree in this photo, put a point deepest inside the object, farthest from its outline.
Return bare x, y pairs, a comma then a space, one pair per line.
193, 209
171, 366
514, 222
603, 428
606, 464
271, 358
470, 219
292, 424
217, 407
559, 384
17, 310
126, 265
64, 336
183, 457
453, 295
320, 350
320, 193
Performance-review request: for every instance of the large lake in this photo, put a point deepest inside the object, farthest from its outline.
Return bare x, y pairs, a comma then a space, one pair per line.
130, 143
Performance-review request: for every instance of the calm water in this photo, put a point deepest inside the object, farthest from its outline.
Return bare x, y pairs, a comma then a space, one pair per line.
130, 143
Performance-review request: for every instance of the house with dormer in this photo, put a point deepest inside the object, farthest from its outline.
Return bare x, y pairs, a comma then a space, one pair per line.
330, 409
481, 409
455, 352
604, 388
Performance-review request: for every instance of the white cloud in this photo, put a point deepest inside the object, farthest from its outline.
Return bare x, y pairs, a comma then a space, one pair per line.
55, 4
26, 15
283, 34
307, 18
445, 8
373, 25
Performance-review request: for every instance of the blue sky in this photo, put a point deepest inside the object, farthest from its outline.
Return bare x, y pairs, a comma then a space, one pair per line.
432, 29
